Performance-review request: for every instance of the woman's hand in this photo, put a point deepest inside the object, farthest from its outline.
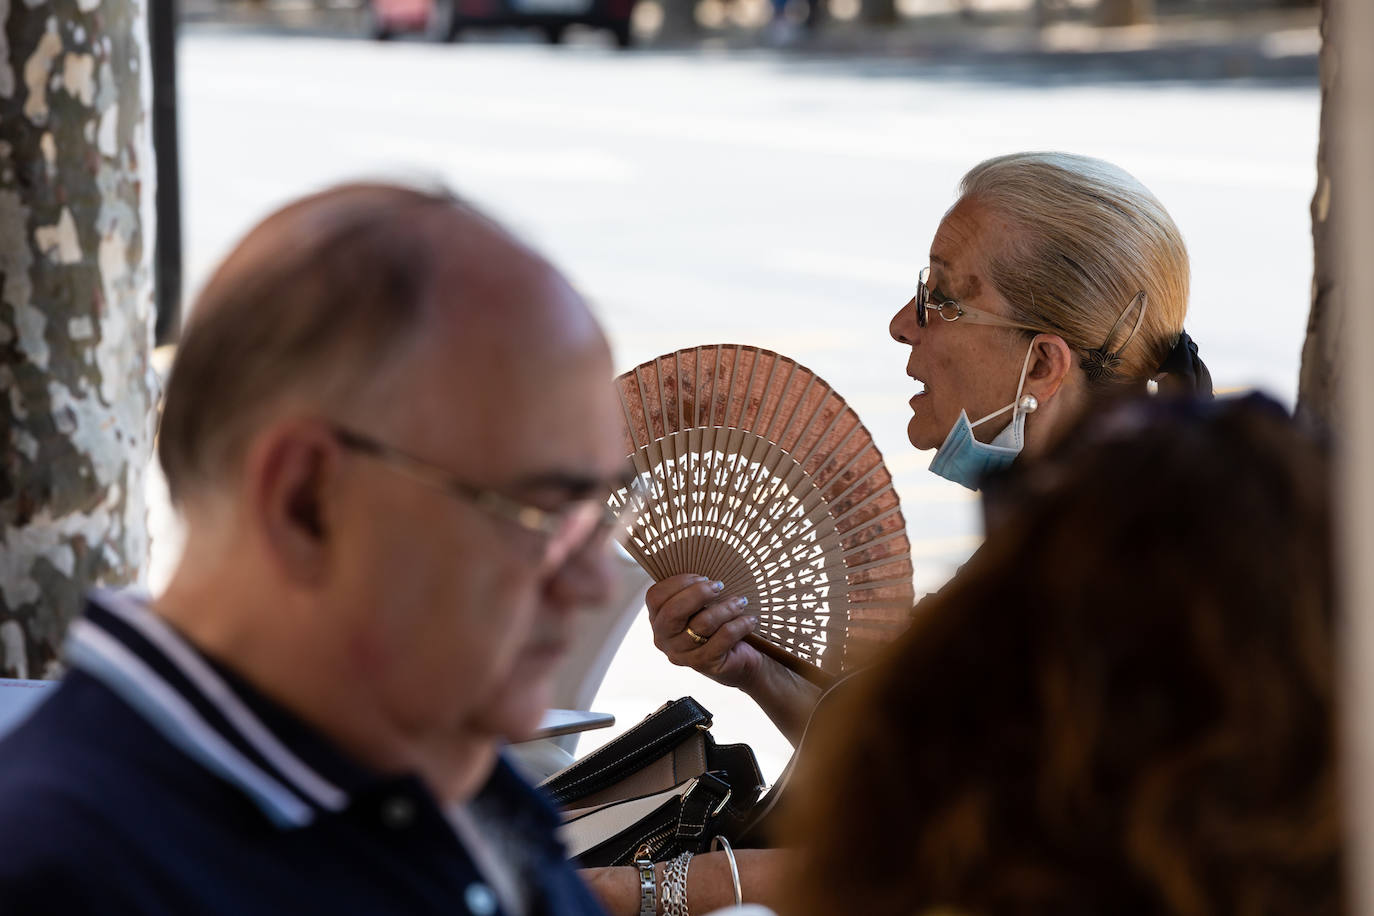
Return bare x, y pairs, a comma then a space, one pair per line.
720, 622
698, 627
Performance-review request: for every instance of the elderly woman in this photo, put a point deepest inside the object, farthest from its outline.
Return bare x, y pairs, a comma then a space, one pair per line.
1054, 282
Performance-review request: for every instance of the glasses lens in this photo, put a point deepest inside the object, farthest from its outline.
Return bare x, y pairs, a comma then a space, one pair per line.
576, 529
922, 297
590, 520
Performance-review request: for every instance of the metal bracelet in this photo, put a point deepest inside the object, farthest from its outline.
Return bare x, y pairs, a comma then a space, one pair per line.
648, 887
729, 851
675, 886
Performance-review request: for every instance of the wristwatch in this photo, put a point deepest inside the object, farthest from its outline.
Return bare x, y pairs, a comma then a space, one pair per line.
648, 887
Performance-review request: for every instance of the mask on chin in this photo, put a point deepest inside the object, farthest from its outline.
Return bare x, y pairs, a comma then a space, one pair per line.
965, 460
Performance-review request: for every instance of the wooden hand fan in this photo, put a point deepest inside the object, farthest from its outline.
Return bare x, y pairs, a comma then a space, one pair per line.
755, 472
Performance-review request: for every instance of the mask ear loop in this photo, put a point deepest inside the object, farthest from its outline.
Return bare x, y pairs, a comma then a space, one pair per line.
1028, 404
1101, 362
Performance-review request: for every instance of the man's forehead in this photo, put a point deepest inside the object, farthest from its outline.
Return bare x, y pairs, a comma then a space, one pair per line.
569, 435
538, 410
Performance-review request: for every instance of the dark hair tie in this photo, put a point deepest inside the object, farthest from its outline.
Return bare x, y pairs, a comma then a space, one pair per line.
1186, 372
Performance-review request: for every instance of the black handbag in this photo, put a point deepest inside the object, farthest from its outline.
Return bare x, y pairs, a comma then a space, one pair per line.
663, 787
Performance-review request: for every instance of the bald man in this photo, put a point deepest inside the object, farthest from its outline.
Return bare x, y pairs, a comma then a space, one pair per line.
391, 432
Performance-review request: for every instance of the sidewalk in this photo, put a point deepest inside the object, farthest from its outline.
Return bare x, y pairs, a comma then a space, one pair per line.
1271, 44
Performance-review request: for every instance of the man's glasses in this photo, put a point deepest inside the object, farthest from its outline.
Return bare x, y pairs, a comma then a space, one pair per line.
950, 310
564, 531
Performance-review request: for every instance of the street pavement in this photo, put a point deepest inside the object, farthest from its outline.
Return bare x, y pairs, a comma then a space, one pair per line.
757, 196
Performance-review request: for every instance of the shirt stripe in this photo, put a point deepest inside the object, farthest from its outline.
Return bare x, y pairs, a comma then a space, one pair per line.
305, 779
103, 657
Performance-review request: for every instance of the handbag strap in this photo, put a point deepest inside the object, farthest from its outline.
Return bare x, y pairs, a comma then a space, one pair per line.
700, 808
642, 744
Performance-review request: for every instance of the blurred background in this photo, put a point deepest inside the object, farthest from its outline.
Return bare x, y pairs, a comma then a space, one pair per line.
766, 173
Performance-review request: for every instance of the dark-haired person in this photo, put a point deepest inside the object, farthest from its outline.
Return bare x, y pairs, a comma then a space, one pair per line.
1113, 707
391, 432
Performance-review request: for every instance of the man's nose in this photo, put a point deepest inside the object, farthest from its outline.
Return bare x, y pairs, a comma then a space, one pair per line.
586, 578
902, 325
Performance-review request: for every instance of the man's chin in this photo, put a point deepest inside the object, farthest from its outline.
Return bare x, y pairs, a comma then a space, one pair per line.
516, 714
515, 718
517, 708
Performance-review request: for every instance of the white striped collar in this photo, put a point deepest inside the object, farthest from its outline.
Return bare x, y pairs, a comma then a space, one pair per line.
142, 659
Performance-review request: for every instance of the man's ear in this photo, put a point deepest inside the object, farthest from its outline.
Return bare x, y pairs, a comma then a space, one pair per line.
290, 469
1051, 361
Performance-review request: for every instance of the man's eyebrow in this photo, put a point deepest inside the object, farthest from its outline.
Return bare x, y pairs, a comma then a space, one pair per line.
572, 483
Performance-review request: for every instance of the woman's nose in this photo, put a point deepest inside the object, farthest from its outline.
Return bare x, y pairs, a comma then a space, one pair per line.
902, 325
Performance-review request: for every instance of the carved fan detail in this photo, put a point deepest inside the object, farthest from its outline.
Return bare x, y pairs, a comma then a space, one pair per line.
758, 474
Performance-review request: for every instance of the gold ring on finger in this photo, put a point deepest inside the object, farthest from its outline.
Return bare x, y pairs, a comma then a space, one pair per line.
696, 637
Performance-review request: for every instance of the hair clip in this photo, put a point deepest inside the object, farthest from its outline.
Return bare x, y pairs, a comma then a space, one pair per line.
1102, 363
1099, 364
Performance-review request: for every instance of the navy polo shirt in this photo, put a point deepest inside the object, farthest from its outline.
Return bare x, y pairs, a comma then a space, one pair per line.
155, 781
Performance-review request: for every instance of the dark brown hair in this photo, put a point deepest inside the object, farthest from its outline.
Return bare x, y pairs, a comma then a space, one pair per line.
1122, 705
315, 300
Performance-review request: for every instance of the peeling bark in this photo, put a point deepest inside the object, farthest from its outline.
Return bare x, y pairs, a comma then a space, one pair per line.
880, 12
1125, 12
1349, 139
76, 316
1318, 379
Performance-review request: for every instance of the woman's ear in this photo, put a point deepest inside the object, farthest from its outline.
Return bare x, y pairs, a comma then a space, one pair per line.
1051, 361
290, 468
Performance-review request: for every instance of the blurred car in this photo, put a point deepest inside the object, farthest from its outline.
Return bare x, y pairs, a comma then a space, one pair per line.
445, 20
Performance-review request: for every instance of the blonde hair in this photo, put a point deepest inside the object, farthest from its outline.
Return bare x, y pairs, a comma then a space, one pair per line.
1088, 237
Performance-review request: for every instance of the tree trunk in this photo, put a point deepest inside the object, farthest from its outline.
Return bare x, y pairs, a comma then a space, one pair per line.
162, 19
1125, 12
1317, 379
880, 12
1348, 141
76, 318
679, 21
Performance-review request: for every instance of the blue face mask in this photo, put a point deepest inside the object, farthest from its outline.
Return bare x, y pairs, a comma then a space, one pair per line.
965, 460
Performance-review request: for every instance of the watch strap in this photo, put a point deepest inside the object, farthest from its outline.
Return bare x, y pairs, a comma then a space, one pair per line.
648, 887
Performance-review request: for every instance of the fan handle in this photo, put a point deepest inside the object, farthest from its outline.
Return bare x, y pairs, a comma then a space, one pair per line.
807, 670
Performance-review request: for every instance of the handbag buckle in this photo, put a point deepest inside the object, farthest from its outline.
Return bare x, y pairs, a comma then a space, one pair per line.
723, 802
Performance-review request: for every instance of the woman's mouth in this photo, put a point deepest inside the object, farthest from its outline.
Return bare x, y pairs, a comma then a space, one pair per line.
922, 392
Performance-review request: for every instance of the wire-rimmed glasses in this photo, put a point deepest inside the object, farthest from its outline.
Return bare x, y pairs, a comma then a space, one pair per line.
950, 310
565, 531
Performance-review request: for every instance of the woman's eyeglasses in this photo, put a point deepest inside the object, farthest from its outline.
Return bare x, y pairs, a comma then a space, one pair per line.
950, 310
